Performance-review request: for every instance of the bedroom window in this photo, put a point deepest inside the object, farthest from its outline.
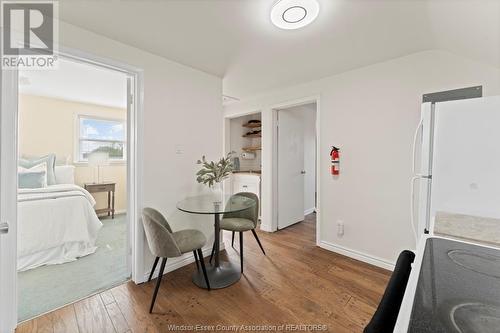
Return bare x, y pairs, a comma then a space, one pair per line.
101, 135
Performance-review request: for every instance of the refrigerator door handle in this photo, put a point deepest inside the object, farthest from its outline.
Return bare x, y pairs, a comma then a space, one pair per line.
412, 206
415, 137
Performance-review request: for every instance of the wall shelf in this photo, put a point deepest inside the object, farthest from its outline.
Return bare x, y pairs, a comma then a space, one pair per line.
252, 135
251, 149
252, 125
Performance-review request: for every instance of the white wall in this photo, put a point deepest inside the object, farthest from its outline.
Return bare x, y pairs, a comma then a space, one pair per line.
182, 111
47, 125
371, 114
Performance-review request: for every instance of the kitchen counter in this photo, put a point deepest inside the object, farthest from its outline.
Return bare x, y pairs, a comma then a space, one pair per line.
250, 172
467, 227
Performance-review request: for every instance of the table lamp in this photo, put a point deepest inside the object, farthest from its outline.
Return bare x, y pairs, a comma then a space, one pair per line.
98, 159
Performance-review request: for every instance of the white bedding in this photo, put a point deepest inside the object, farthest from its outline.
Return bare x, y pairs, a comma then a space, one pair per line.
56, 224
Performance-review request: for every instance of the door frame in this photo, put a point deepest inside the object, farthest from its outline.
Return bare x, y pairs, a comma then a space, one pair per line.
269, 153
8, 197
274, 110
9, 136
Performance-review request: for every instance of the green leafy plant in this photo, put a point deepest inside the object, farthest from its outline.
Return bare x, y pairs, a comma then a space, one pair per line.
214, 172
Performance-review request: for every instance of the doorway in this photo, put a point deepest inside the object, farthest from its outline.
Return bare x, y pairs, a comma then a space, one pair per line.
72, 185
132, 238
296, 164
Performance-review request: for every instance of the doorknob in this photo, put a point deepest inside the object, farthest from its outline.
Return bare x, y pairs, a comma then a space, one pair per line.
303, 172
4, 228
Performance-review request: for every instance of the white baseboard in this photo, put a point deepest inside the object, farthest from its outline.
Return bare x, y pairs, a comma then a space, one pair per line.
309, 211
117, 212
358, 255
266, 228
176, 263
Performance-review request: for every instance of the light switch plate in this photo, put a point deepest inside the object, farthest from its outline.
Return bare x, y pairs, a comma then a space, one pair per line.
179, 149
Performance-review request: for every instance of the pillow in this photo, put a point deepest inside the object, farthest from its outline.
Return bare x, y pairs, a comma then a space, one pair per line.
35, 177
65, 174
50, 161
32, 179
39, 167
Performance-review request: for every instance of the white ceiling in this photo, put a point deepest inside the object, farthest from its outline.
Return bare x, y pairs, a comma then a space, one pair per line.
235, 39
77, 82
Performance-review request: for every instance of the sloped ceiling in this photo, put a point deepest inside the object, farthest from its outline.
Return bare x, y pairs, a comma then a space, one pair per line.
235, 39
77, 82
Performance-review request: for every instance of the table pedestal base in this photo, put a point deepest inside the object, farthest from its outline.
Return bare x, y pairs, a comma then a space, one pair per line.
220, 277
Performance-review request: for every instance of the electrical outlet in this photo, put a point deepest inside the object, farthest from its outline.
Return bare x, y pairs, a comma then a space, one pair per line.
340, 228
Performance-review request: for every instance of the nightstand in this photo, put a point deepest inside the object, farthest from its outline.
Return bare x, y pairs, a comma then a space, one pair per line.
104, 187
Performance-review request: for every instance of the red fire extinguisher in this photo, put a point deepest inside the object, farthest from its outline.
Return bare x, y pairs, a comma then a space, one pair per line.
335, 158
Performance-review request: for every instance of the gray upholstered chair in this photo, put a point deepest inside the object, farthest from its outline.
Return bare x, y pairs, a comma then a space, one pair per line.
164, 244
245, 220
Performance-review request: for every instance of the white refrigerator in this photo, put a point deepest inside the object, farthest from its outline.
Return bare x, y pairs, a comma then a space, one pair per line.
456, 161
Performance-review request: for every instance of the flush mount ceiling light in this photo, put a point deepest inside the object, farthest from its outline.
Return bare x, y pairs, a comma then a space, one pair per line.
294, 14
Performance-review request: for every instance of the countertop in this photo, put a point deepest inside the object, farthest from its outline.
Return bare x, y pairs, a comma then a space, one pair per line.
467, 227
248, 172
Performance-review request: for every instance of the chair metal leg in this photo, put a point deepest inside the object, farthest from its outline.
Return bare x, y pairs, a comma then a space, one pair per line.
153, 269
202, 262
241, 250
212, 254
158, 282
196, 260
232, 240
258, 241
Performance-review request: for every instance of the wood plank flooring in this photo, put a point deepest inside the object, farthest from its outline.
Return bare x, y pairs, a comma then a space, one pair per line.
296, 283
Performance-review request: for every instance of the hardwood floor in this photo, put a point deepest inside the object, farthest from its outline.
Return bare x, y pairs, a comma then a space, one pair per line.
296, 283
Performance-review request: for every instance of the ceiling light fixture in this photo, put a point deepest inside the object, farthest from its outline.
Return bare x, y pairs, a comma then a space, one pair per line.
294, 14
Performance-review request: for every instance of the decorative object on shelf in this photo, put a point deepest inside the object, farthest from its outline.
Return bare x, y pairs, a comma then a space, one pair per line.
251, 149
213, 173
98, 159
253, 124
236, 163
248, 156
254, 134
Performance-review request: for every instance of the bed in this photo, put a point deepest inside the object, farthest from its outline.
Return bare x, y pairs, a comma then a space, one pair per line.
56, 224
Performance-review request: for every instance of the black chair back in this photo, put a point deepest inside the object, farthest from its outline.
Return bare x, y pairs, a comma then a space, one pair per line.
384, 319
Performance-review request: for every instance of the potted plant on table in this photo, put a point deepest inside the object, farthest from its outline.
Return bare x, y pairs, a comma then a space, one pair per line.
213, 173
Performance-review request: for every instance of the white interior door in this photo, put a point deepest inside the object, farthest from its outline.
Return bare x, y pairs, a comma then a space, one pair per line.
8, 201
290, 167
